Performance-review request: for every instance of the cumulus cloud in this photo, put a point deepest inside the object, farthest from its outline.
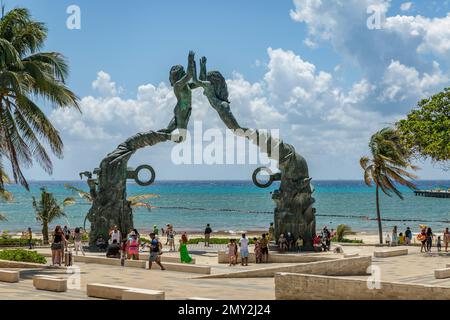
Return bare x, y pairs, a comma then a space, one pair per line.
406, 6
104, 85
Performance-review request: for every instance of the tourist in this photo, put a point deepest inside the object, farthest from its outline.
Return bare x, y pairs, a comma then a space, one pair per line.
232, 252
77, 239
101, 243
113, 250
258, 254
271, 232
243, 243
332, 233
66, 232
326, 237
394, 237
282, 243
57, 246
184, 254
115, 235
171, 238
155, 230
439, 244
422, 237
299, 244
208, 232
264, 248
123, 252
167, 234
138, 236
430, 236
30, 238
446, 239
401, 239
133, 246
387, 240
408, 236
289, 241
155, 252
317, 243
163, 232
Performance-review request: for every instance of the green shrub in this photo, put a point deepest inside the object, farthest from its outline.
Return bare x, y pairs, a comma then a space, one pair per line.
215, 240
18, 242
22, 256
344, 240
5, 235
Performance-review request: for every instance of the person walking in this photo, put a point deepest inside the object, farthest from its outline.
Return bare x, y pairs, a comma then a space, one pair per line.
446, 239
232, 252
30, 238
243, 243
430, 236
171, 238
155, 252
208, 232
394, 237
57, 246
77, 239
408, 236
264, 248
133, 246
258, 255
184, 254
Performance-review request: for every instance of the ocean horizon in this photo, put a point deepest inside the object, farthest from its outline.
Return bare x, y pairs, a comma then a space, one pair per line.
238, 205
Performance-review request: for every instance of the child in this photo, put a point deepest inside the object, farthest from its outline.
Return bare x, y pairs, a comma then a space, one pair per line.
439, 244
388, 239
299, 244
232, 251
282, 243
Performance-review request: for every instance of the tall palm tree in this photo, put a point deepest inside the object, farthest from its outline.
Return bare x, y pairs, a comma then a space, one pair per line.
47, 209
387, 167
28, 75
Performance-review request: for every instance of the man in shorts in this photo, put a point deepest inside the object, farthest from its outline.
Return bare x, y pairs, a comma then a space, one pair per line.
208, 231
243, 243
155, 252
264, 248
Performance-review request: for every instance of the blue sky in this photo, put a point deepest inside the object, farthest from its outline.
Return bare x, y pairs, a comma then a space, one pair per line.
309, 68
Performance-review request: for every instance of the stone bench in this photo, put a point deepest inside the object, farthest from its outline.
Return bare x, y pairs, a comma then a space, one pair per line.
106, 291
110, 261
275, 257
390, 253
142, 294
9, 276
49, 283
442, 273
185, 267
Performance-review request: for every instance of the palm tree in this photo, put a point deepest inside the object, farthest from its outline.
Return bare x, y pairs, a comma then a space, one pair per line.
387, 167
47, 209
5, 195
27, 74
135, 201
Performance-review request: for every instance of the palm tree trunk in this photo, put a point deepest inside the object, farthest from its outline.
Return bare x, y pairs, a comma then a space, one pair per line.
45, 232
380, 230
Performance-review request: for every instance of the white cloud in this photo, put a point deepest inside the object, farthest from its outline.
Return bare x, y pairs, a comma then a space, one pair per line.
104, 85
406, 6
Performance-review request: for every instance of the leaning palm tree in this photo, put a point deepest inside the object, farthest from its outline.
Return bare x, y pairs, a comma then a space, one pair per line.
135, 201
47, 209
28, 75
4, 194
387, 167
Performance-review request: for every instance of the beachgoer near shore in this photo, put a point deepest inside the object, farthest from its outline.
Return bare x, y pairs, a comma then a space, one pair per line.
290, 241
171, 238
387, 240
299, 244
422, 237
282, 243
439, 244
401, 239
113, 250
394, 237
243, 243
232, 252
446, 239
264, 248
77, 239
101, 243
184, 254
155, 230
57, 246
155, 252
317, 243
408, 236
67, 233
115, 235
271, 232
258, 254
167, 234
208, 232
430, 237
30, 238
133, 246
326, 238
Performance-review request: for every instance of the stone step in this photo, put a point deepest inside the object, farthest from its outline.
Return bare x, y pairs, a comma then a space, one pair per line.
442, 273
111, 292
185, 267
142, 294
390, 253
50, 283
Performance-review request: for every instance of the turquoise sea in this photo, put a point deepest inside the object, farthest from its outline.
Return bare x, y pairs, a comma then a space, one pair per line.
239, 205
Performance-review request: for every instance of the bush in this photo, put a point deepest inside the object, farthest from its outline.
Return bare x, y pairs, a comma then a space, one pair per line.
344, 240
22, 256
5, 235
18, 242
215, 240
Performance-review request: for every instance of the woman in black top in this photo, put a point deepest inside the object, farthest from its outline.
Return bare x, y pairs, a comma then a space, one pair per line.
57, 246
430, 236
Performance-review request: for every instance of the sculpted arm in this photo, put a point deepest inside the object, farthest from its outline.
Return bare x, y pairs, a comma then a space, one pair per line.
190, 71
